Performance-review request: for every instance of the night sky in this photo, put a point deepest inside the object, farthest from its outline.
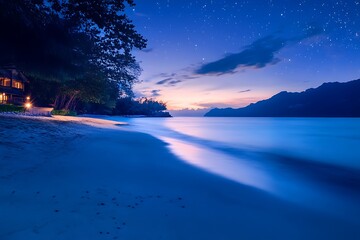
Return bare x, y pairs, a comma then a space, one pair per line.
204, 54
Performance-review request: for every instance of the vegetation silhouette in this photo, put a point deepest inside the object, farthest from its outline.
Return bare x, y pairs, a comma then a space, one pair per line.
73, 52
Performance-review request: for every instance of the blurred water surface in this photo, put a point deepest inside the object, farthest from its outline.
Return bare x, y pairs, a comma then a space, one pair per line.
314, 162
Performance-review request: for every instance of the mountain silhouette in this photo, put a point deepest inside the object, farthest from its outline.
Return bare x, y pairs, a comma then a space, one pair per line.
329, 100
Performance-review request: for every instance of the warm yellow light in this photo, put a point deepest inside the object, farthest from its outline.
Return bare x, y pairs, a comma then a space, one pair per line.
28, 105
27, 98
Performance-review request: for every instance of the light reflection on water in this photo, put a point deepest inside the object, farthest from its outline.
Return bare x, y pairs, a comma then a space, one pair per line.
271, 178
217, 163
332, 140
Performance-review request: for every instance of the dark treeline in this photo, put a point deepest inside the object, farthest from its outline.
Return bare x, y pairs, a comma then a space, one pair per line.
143, 106
77, 54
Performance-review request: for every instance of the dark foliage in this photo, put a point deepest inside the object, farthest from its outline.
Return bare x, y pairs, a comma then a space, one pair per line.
43, 92
37, 41
85, 46
143, 106
11, 108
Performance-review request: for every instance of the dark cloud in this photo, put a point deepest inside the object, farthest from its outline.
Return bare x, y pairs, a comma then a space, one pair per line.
257, 55
164, 81
159, 76
174, 82
173, 79
147, 50
166, 75
169, 82
244, 91
188, 77
155, 93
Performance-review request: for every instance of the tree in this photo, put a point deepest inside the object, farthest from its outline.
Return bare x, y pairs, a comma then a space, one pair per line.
113, 36
142, 106
36, 41
72, 42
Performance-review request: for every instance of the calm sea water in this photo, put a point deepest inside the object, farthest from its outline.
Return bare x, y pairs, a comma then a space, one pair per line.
314, 162
329, 140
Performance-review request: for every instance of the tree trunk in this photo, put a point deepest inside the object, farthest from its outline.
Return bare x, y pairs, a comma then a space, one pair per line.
66, 101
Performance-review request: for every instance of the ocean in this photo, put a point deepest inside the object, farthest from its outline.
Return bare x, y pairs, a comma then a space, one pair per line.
312, 162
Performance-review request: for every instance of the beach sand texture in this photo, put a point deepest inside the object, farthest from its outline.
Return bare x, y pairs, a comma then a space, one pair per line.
81, 178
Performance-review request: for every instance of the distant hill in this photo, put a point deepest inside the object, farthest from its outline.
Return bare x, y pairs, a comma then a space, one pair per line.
329, 100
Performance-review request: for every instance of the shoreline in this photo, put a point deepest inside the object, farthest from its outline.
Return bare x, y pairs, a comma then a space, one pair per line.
81, 178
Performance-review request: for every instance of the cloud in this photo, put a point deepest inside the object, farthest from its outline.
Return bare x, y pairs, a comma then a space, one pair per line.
164, 81
188, 77
259, 54
244, 91
155, 93
147, 50
140, 14
169, 82
174, 82
233, 103
172, 79
165, 75
210, 105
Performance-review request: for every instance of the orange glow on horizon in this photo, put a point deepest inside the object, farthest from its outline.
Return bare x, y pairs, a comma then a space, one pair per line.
204, 94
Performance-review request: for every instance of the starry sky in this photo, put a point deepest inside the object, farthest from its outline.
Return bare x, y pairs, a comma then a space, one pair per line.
229, 53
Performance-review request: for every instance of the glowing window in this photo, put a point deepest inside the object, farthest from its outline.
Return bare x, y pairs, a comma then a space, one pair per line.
3, 98
6, 82
17, 84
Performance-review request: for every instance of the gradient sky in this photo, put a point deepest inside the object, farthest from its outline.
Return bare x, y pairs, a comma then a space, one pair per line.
216, 53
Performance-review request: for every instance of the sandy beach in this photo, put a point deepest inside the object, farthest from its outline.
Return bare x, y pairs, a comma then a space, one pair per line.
82, 178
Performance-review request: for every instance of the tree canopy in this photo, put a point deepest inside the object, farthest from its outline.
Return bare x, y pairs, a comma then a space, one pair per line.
142, 106
84, 45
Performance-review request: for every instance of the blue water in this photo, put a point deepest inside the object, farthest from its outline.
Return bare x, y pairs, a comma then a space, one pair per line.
313, 162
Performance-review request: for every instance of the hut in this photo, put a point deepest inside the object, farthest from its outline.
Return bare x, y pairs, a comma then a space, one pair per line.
12, 86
